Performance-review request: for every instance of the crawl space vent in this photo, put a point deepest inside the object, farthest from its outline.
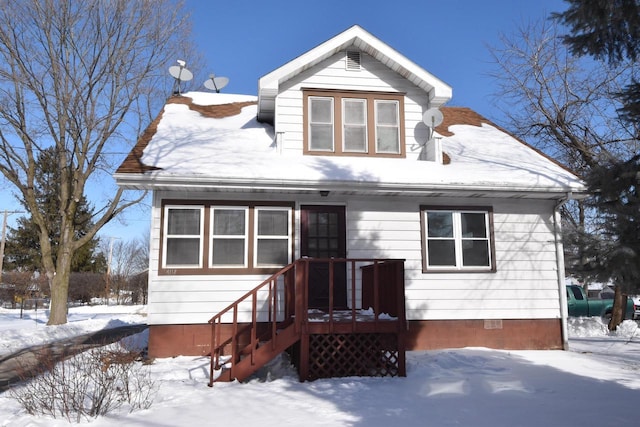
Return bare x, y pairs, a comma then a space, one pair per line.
353, 60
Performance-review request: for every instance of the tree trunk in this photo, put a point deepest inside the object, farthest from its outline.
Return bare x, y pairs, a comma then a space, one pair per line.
60, 289
619, 308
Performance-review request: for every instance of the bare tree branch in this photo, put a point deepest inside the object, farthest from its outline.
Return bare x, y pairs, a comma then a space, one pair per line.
564, 105
73, 76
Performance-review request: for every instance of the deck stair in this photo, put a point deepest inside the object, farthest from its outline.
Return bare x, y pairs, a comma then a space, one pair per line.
274, 317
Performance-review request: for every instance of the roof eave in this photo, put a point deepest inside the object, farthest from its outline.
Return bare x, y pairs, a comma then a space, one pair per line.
155, 181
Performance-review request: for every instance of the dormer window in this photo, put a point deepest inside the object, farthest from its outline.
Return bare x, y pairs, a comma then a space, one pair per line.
353, 123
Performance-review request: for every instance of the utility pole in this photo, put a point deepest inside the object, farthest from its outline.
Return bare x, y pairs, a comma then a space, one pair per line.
4, 234
106, 286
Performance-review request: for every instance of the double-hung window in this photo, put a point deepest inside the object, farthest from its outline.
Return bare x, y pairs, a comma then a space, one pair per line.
459, 240
272, 237
321, 124
250, 236
229, 236
183, 236
387, 126
353, 123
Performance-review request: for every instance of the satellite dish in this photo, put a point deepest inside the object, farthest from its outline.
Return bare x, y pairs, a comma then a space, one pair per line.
181, 74
432, 118
216, 83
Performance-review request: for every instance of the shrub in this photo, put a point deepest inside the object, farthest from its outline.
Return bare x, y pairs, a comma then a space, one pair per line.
90, 384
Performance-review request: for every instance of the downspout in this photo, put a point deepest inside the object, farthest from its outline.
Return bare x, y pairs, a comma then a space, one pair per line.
557, 226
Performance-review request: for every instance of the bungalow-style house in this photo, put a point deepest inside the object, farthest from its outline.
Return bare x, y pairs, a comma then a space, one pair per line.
347, 215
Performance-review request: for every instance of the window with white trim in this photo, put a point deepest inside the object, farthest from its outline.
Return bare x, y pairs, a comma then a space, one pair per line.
273, 236
183, 234
229, 236
353, 123
457, 239
387, 126
321, 123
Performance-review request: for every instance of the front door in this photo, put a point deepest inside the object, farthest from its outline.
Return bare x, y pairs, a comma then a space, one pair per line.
323, 235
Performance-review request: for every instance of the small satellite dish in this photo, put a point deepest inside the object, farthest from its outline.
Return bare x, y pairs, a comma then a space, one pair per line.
181, 74
432, 118
216, 83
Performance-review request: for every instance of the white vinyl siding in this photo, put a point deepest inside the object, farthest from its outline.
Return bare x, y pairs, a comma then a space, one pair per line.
196, 298
524, 285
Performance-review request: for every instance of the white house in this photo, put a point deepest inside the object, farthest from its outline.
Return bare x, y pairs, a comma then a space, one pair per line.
332, 160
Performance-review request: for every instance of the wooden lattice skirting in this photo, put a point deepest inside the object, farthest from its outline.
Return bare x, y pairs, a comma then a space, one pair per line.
343, 355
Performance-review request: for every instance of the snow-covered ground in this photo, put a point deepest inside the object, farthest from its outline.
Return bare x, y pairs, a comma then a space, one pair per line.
597, 382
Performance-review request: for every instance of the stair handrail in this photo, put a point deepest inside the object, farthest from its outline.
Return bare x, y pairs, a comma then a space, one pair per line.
216, 321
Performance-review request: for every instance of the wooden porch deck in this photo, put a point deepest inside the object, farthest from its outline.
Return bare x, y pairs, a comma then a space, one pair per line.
365, 339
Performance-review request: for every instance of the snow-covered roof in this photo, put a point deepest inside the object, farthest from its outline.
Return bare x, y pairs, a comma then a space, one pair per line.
354, 37
205, 140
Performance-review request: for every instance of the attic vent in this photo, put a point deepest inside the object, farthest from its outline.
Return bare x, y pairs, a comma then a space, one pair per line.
353, 60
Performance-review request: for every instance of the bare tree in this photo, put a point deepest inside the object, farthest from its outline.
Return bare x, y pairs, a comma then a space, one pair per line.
562, 104
83, 77
568, 107
129, 259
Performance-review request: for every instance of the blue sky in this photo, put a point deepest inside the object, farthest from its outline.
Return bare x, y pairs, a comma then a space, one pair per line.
245, 39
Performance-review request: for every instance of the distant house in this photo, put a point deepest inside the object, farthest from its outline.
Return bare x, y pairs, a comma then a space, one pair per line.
330, 192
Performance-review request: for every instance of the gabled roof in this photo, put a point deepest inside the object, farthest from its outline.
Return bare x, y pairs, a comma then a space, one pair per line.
268, 85
214, 141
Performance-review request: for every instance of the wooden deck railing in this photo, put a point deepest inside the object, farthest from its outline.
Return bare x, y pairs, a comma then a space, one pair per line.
287, 305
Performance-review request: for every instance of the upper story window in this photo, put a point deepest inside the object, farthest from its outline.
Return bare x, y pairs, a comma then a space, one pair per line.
457, 240
353, 123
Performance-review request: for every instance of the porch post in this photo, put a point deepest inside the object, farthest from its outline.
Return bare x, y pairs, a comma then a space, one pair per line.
402, 319
303, 371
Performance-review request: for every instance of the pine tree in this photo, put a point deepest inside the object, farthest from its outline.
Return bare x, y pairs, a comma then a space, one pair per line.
616, 189
23, 242
607, 30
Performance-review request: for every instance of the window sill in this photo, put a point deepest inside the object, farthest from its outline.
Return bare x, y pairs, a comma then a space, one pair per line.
216, 271
456, 270
354, 154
